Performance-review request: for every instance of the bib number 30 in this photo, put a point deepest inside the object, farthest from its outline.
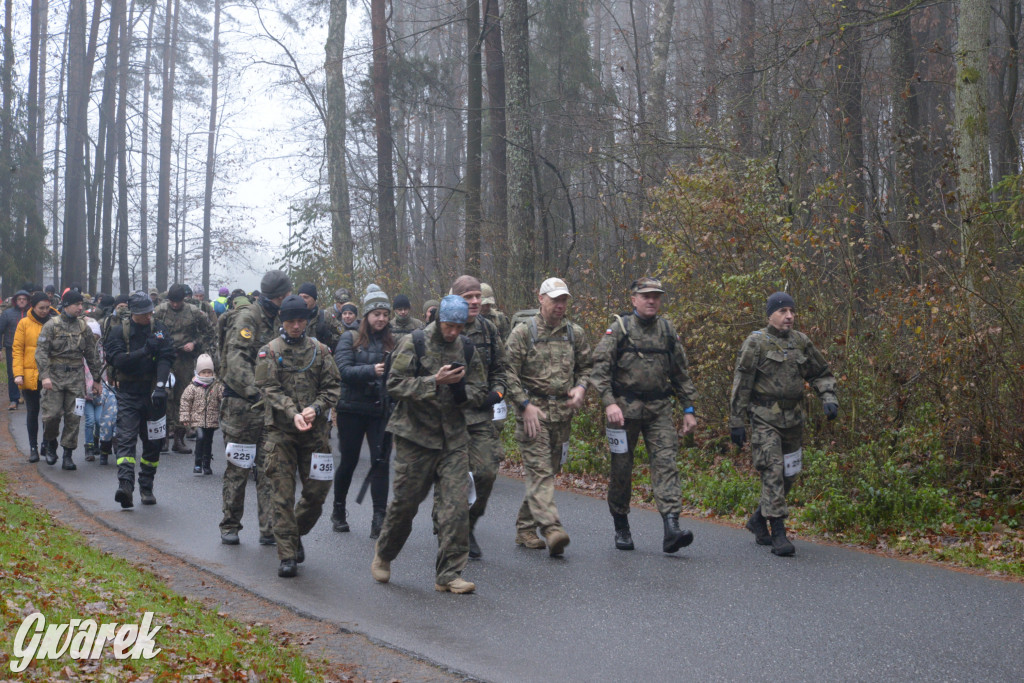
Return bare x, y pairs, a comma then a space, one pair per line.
321, 467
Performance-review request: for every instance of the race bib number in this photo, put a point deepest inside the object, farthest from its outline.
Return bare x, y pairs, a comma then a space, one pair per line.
500, 410
79, 407
617, 442
156, 429
241, 454
472, 489
321, 467
793, 462
565, 452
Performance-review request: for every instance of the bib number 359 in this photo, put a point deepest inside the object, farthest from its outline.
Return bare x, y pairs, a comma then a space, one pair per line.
321, 467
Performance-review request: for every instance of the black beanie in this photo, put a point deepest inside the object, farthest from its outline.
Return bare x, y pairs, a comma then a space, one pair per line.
350, 307
71, 297
779, 300
293, 308
176, 293
309, 289
36, 298
401, 301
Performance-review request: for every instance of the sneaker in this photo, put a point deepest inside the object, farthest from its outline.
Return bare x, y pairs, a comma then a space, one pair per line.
229, 537
33, 455
207, 470
456, 585
530, 539
124, 495
557, 540
13, 406
268, 540
380, 569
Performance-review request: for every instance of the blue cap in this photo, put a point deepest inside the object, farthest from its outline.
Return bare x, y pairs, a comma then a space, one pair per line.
453, 309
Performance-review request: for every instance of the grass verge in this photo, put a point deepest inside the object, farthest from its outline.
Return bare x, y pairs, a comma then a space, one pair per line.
49, 568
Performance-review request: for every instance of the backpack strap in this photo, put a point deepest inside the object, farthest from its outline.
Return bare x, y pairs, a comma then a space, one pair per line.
419, 342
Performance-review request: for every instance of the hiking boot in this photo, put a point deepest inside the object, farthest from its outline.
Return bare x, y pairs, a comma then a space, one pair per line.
380, 569
90, 452
124, 494
530, 539
758, 526
179, 442
229, 537
147, 497
206, 463
288, 569
106, 449
300, 554
675, 538
623, 539
339, 520
456, 585
557, 540
474, 548
33, 454
376, 523
50, 451
780, 544
67, 463
267, 539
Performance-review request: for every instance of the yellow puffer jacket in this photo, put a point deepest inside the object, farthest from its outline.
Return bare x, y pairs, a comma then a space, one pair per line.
26, 336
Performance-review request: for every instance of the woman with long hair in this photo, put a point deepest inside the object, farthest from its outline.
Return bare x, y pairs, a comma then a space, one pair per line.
26, 375
362, 410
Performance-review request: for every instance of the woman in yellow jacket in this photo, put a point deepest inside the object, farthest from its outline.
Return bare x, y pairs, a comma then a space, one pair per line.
26, 375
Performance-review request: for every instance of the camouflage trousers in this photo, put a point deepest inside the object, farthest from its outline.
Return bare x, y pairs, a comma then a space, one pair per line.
241, 424
416, 470
542, 460
662, 442
287, 455
59, 402
767, 444
484, 457
184, 370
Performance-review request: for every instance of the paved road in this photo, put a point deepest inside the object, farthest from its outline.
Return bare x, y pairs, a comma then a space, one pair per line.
723, 609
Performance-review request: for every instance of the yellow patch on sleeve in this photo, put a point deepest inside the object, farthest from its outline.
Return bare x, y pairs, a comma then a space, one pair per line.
246, 333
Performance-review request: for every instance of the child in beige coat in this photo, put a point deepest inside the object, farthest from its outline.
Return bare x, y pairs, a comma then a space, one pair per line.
200, 408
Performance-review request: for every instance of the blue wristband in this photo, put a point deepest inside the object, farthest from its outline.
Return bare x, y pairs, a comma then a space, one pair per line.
689, 411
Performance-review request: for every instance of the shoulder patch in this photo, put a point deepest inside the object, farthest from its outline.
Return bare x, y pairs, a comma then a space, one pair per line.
263, 354
608, 331
246, 333
159, 334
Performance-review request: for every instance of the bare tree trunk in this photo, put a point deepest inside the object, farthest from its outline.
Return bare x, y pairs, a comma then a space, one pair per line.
7, 162
109, 109
710, 57
745, 102
144, 172
337, 171
55, 204
474, 132
163, 204
496, 140
658, 109
211, 158
122, 152
851, 108
520, 151
390, 257
77, 129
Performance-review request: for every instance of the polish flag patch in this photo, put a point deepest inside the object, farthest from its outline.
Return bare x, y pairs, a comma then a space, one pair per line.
263, 354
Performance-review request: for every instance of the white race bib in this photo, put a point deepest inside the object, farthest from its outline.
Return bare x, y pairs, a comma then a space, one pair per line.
156, 429
321, 467
241, 454
79, 407
472, 489
617, 440
793, 462
565, 452
500, 410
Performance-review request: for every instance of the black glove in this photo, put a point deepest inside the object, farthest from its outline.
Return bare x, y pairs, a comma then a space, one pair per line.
459, 391
831, 410
152, 344
493, 398
159, 396
738, 436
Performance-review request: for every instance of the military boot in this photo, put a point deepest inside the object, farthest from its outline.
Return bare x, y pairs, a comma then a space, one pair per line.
530, 539
179, 442
300, 552
146, 496
675, 538
90, 452
51, 452
759, 527
106, 449
623, 539
380, 569
124, 494
558, 539
288, 569
67, 463
33, 455
377, 523
780, 544
339, 520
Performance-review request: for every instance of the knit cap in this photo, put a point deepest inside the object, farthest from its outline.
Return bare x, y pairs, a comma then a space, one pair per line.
375, 299
204, 362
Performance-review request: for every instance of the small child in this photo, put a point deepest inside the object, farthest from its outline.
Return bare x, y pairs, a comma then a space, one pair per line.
200, 408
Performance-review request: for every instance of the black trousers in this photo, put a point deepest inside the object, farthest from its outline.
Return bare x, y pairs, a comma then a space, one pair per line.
13, 392
352, 428
133, 411
204, 444
31, 397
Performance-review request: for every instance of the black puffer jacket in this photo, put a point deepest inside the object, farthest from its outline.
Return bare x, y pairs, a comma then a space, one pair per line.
362, 391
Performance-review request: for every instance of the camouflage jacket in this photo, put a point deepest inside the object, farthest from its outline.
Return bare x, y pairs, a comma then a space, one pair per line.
328, 329
544, 371
426, 413
187, 325
203, 306
641, 363
65, 341
500, 321
403, 326
770, 374
293, 377
249, 330
491, 348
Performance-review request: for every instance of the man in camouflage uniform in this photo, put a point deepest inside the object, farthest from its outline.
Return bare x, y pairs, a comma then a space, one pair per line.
431, 443
489, 310
250, 329
549, 366
64, 342
768, 386
201, 303
639, 365
300, 383
403, 323
325, 328
192, 334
